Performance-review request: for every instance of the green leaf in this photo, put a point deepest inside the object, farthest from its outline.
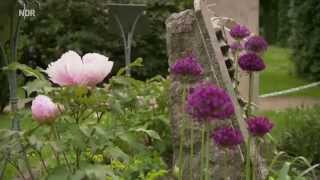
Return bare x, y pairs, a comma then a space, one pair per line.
137, 63
93, 172
60, 173
151, 133
35, 86
284, 172
28, 71
116, 153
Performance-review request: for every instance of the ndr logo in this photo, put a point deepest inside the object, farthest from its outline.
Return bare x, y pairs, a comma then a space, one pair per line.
27, 12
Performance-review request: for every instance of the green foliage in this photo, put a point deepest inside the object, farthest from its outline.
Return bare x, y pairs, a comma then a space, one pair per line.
284, 22
126, 121
305, 38
85, 26
297, 134
290, 168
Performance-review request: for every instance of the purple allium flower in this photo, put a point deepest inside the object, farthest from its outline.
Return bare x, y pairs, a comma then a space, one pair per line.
239, 32
236, 47
187, 67
256, 44
251, 62
259, 126
227, 137
207, 102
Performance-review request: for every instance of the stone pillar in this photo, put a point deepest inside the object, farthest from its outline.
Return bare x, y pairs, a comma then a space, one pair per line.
193, 30
245, 12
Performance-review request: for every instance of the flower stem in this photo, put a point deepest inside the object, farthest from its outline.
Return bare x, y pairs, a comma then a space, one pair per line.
226, 164
250, 95
207, 151
203, 132
182, 129
57, 136
42, 161
255, 160
191, 148
248, 160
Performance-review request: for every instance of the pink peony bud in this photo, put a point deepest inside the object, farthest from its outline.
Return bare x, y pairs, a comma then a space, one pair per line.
44, 110
71, 70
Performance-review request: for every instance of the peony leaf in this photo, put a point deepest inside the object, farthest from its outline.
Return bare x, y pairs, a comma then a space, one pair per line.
151, 133
28, 71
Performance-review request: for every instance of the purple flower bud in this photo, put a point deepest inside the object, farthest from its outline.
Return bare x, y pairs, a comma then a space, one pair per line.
259, 126
251, 62
239, 32
187, 67
207, 102
227, 137
256, 44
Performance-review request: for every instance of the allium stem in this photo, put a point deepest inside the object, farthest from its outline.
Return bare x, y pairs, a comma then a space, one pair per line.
248, 159
203, 132
226, 164
207, 151
255, 160
182, 129
250, 95
237, 72
191, 148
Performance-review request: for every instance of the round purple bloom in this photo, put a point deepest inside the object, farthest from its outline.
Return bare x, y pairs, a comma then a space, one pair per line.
207, 102
187, 67
227, 137
239, 32
259, 126
251, 62
256, 44
236, 47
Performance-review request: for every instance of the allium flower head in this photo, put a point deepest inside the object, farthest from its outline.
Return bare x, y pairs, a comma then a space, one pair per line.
227, 137
236, 47
207, 102
72, 70
239, 32
251, 62
187, 67
256, 44
44, 110
259, 126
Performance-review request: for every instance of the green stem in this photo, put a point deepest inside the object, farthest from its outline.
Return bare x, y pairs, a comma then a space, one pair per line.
42, 161
207, 151
182, 129
226, 164
254, 163
203, 133
191, 148
248, 160
57, 136
250, 95
236, 74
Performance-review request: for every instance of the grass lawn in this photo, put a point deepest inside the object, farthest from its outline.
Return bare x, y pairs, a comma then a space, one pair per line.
279, 74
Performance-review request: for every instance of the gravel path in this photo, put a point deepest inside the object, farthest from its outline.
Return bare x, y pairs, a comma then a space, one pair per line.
284, 102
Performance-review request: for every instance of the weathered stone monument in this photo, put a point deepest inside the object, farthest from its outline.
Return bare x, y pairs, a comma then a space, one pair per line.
245, 12
194, 30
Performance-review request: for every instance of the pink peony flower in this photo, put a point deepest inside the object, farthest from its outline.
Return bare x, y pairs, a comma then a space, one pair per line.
44, 110
71, 70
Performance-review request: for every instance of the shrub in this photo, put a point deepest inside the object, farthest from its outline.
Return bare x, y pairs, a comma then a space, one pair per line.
305, 39
297, 132
85, 25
